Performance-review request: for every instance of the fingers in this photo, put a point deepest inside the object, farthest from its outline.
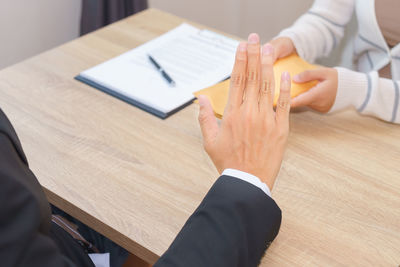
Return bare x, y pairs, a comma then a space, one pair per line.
238, 77
208, 122
267, 89
283, 47
253, 70
310, 75
283, 105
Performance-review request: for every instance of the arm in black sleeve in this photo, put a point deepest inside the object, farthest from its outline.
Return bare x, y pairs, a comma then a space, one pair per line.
24, 239
233, 226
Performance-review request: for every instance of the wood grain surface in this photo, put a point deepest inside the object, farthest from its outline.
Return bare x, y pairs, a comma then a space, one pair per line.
136, 178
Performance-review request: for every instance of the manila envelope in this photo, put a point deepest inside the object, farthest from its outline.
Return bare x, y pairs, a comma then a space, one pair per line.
218, 94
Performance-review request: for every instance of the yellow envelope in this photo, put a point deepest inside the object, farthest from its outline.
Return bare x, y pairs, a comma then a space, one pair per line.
218, 94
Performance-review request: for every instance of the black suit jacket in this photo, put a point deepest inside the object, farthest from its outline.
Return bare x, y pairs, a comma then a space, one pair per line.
233, 226
27, 236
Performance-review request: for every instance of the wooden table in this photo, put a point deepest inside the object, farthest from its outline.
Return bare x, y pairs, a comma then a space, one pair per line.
136, 178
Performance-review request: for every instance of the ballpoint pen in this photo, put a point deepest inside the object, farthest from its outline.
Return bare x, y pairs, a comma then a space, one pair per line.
162, 71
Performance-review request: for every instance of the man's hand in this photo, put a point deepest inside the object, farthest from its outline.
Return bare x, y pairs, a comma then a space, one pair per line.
322, 96
252, 137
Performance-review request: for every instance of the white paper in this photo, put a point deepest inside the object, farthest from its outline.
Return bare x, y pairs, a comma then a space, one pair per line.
194, 58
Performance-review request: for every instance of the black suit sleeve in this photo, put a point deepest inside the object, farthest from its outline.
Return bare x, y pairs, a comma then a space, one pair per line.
24, 239
233, 226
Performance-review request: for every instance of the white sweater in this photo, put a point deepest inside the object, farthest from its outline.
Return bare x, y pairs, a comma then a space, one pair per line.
318, 31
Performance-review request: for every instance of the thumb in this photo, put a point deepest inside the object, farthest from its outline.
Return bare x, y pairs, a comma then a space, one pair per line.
207, 120
310, 75
305, 98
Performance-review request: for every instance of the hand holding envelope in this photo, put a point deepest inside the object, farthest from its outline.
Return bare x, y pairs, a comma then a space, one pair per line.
218, 94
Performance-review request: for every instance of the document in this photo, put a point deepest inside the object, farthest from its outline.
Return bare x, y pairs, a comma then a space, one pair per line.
193, 58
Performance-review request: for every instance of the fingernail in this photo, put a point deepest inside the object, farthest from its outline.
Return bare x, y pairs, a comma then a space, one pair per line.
268, 49
296, 78
286, 76
253, 38
242, 47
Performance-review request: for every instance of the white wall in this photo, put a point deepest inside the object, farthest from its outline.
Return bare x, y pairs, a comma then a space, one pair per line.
28, 27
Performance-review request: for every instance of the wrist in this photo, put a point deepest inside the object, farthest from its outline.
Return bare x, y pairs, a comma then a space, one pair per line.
332, 92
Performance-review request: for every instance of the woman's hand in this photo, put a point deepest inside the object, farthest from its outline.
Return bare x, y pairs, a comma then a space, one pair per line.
322, 96
252, 137
283, 47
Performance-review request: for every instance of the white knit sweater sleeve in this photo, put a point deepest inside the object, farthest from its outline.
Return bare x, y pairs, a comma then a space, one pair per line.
369, 94
318, 31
